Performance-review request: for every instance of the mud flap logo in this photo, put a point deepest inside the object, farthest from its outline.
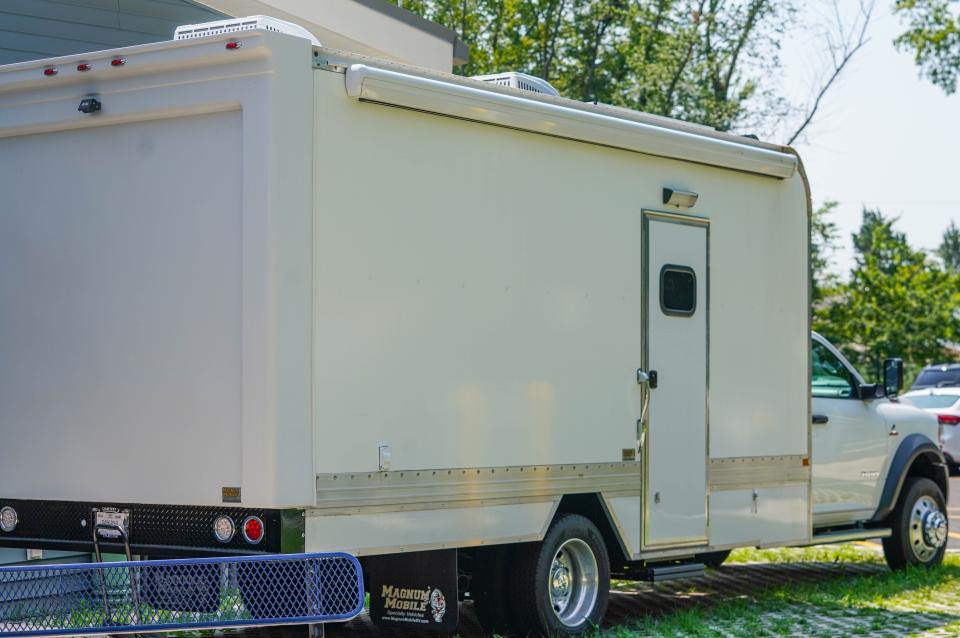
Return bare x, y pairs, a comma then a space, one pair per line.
438, 605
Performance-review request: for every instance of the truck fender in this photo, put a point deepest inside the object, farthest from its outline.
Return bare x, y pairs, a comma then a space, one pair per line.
914, 449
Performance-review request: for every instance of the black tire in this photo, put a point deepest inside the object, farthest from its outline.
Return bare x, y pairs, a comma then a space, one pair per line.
919, 538
488, 590
713, 560
571, 541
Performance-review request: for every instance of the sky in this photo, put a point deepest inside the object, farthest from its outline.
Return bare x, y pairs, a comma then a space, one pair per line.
884, 137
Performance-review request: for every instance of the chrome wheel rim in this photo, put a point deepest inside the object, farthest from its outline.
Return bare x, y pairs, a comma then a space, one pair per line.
573, 582
928, 529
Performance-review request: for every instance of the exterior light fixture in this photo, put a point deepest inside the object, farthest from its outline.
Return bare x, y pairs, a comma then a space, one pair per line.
680, 199
224, 529
8, 519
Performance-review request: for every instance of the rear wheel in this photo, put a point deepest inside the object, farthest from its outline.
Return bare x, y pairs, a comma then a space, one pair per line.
561, 586
919, 525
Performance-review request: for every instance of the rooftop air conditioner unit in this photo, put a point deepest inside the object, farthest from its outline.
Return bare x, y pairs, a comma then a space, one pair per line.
233, 25
520, 81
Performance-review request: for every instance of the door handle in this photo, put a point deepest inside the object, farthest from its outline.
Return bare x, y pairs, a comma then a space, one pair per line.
820, 418
647, 378
647, 381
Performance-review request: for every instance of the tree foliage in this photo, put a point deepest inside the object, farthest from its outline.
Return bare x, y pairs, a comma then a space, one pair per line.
823, 236
949, 251
897, 302
933, 36
705, 61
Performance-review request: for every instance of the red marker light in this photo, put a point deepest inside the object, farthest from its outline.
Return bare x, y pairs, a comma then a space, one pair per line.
118, 61
233, 44
253, 530
83, 66
50, 71
948, 419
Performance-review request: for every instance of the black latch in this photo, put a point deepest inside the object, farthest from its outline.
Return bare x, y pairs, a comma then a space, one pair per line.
653, 379
89, 105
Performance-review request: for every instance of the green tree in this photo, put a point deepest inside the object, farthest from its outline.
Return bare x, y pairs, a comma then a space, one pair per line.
823, 236
933, 36
949, 250
897, 302
714, 62
878, 239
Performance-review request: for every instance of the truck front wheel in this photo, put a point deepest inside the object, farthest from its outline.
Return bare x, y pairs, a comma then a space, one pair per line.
561, 585
919, 526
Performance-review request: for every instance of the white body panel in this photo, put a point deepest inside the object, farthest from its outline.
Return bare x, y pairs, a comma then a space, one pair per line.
466, 297
155, 302
771, 515
851, 452
388, 532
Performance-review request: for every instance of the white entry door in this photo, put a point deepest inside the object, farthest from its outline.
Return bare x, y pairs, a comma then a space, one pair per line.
675, 437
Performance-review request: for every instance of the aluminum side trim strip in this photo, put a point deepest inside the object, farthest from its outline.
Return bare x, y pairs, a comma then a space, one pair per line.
757, 471
432, 487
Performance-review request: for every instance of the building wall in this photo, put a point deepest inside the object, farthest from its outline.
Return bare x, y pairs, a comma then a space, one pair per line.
32, 29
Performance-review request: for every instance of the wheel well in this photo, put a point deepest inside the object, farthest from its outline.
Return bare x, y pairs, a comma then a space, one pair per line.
591, 506
927, 466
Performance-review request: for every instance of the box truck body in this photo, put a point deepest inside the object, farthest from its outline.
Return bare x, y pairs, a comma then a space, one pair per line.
388, 310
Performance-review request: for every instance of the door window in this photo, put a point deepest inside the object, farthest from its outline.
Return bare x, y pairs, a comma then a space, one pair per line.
831, 379
678, 290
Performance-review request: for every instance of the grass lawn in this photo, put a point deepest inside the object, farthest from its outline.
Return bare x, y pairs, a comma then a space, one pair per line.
916, 602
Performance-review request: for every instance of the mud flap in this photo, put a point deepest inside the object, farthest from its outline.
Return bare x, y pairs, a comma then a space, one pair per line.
414, 591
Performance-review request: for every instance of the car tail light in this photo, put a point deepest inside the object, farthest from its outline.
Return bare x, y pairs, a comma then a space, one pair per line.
253, 529
50, 71
8, 519
118, 61
948, 419
233, 44
83, 66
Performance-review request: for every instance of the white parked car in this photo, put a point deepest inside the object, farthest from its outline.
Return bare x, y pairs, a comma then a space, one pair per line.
945, 403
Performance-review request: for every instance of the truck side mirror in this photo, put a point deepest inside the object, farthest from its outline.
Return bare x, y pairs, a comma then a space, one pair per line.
892, 377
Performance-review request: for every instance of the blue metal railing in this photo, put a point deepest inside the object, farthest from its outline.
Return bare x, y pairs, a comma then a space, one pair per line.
197, 593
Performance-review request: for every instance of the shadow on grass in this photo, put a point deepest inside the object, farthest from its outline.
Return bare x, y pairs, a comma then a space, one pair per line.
859, 598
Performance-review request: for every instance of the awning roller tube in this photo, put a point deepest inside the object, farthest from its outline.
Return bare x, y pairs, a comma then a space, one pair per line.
457, 100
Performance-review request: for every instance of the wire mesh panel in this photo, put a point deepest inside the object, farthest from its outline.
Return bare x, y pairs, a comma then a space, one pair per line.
178, 594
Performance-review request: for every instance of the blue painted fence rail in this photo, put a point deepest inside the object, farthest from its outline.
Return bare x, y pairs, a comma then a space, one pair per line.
197, 593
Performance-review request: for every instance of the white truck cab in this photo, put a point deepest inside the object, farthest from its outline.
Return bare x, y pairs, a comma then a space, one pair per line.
864, 440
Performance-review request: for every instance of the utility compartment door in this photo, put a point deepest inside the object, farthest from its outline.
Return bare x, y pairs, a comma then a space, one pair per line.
675, 432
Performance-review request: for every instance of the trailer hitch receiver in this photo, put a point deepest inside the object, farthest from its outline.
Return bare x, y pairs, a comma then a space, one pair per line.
173, 595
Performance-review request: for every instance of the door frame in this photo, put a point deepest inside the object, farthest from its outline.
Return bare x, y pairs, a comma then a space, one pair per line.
698, 222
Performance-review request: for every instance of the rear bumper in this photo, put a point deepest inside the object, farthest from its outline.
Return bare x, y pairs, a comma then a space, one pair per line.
176, 595
155, 530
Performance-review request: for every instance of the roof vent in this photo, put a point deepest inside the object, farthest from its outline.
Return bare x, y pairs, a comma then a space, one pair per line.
520, 81
233, 25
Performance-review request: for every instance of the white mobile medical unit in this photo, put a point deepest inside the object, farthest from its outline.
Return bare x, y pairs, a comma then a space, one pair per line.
470, 333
